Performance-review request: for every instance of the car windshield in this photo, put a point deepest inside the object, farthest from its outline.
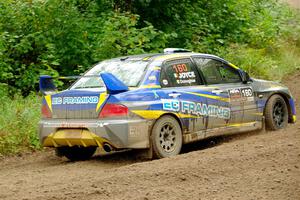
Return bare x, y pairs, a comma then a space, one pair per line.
129, 72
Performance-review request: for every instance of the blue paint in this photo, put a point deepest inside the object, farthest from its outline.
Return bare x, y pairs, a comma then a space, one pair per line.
46, 84
292, 104
113, 84
153, 78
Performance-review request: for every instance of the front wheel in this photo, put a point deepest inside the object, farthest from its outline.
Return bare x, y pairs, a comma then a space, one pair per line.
276, 113
76, 153
166, 137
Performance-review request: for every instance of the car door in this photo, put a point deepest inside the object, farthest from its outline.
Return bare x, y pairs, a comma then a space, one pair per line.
181, 87
225, 81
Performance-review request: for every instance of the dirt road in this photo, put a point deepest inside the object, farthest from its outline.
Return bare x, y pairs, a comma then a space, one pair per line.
261, 165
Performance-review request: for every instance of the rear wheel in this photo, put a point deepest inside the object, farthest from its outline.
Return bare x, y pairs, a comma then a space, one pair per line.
166, 137
76, 153
276, 113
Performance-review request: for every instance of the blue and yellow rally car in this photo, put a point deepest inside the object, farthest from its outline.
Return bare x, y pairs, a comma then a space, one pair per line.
158, 102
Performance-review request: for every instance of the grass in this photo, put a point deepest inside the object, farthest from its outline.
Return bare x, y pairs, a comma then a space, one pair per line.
274, 61
18, 122
266, 63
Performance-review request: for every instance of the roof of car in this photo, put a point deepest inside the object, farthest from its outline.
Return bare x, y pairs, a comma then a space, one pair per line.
165, 56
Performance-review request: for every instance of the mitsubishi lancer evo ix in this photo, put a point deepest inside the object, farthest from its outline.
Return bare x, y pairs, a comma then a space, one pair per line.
158, 102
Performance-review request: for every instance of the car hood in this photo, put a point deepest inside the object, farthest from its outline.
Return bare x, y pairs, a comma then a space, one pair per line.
269, 86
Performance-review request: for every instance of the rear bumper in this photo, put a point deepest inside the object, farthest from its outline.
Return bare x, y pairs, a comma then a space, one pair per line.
133, 133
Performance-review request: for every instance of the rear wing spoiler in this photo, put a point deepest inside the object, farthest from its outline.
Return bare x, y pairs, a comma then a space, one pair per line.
47, 85
112, 83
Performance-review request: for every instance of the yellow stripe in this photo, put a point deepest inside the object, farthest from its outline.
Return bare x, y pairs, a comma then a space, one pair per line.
155, 114
168, 56
294, 118
150, 86
156, 68
210, 96
102, 98
241, 124
49, 101
259, 114
149, 114
232, 65
181, 115
146, 58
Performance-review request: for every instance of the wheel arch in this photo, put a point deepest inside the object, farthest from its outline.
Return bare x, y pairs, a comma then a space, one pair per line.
286, 98
172, 115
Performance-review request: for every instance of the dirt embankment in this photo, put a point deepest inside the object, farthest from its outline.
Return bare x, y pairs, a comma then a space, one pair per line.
294, 3
261, 165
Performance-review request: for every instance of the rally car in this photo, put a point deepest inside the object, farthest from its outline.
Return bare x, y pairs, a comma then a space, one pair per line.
158, 102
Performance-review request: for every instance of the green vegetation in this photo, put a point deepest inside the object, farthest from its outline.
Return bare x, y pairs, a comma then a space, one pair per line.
66, 37
275, 59
18, 122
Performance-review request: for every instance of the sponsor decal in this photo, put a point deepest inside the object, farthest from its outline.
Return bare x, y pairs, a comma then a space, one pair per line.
152, 78
185, 75
188, 81
195, 108
235, 94
75, 100
165, 82
134, 131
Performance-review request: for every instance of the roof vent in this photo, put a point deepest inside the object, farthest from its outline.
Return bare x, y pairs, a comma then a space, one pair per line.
176, 50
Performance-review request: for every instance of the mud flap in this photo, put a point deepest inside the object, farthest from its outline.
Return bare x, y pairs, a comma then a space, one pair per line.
146, 154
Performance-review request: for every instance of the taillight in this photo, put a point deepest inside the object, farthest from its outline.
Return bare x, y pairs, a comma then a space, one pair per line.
46, 113
113, 110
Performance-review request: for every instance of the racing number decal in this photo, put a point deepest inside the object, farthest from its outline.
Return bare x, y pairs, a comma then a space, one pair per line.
180, 68
247, 92
241, 94
234, 94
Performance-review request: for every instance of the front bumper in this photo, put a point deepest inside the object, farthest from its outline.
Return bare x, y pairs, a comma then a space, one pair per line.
119, 133
293, 117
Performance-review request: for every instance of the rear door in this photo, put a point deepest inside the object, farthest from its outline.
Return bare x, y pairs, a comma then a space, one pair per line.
225, 81
182, 89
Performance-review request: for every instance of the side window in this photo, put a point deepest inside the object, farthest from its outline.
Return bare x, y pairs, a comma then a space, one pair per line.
216, 72
178, 73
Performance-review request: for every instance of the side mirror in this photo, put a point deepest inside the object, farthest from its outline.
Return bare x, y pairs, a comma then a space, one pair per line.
245, 77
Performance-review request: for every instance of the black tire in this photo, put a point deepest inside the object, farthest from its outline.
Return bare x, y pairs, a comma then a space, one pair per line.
276, 113
166, 137
76, 153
